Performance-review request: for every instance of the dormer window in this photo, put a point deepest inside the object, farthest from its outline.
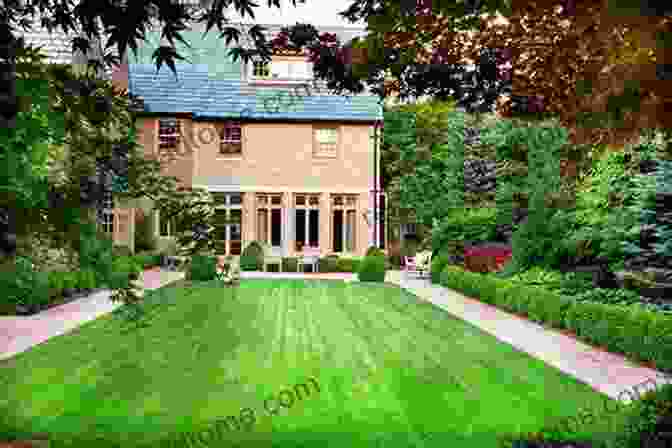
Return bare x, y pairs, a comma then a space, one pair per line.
283, 69
261, 70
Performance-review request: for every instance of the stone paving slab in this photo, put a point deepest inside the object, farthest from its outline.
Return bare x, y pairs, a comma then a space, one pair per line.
19, 333
608, 373
346, 276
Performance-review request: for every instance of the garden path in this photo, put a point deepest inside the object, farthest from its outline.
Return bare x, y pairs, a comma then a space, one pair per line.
19, 333
608, 373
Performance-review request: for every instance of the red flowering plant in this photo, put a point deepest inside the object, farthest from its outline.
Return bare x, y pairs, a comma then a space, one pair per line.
486, 258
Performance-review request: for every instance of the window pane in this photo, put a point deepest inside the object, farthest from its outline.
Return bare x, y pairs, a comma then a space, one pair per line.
300, 223
350, 231
276, 200
280, 69
262, 225
219, 198
300, 200
315, 201
337, 230
235, 198
314, 228
276, 227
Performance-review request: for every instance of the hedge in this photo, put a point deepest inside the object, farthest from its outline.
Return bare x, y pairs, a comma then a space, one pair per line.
631, 330
290, 264
202, 268
372, 269
327, 264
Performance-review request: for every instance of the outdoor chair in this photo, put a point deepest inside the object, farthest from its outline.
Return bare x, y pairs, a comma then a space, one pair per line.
271, 257
309, 256
418, 265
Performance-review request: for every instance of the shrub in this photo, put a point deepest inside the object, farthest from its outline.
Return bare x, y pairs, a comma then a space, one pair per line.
632, 330
485, 258
121, 251
348, 264
439, 261
465, 224
147, 259
610, 296
56, 283
252, 257
95, 252
647, 423
373, 250
203, 268
290, 264
328, 264
69, 282
39, 294
372, 269
87, 280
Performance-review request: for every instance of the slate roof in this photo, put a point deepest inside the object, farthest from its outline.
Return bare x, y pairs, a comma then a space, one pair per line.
196, 90
211, 87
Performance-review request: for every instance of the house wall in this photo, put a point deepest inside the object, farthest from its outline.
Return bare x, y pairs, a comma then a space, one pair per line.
276, 157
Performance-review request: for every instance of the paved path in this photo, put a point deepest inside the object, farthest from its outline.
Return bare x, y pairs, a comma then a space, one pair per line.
345, 276
19, 333
605, 372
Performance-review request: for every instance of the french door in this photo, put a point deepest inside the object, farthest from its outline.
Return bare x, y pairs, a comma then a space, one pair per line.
228, 231
269, 220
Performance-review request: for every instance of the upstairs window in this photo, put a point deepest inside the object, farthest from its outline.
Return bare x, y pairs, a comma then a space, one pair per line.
169, 133
283, 70
325, 142
230, 138
261, 70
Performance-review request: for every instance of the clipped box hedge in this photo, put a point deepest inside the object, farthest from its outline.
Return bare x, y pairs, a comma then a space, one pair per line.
348, 264
631, 330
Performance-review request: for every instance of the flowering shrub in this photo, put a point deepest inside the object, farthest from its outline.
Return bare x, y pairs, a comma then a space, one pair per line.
486, 259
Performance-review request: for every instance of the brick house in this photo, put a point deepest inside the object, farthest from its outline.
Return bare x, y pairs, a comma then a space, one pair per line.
290, 164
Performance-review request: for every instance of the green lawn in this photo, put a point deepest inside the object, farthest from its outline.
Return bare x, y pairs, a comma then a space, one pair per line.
389, 368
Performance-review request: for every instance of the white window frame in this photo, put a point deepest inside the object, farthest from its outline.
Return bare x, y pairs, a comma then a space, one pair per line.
323, 140
265, 66
307, 207
349, 204
176, 134
290, 74
224, 140
228, 206
269, 206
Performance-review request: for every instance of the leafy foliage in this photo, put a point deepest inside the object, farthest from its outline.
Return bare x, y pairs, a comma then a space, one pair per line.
252, 258
372, 269
465, 224
436, 180
202, 268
